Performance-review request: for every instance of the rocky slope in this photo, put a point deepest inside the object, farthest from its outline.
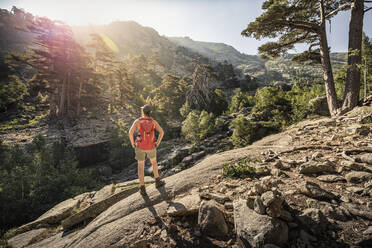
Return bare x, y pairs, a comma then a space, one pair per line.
310, 187
217, 51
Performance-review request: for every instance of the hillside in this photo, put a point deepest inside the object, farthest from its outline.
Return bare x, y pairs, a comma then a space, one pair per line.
307, 186
265, 71
217, 51
131, 39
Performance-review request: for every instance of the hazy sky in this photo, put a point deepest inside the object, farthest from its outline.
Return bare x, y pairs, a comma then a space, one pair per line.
204, 20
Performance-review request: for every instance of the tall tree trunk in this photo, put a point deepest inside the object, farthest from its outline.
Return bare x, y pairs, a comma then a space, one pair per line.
79, 96
352, 85
61, 107
53, 104
69, 92
326, 65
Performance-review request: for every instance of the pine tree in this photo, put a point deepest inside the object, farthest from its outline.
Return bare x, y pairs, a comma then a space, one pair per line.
353, 74
63, 67
198, 95
296, 21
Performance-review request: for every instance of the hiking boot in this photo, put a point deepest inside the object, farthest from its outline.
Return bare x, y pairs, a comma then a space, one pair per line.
159, 182
142, 190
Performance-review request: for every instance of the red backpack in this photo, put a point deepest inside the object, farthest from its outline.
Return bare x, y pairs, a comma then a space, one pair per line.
146, 138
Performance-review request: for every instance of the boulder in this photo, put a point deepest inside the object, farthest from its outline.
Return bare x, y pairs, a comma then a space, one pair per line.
365, 119
366, 158
358, 177
273, 203
313, 190
313, 219
258, 205
184, 206
331, 178
175, 156
220, 198
358, 210
319, 106
143, 243
256, 230
355, 190
357, 129
368, 231
313, 167
350, 165
103, 193
211, 220
286, 216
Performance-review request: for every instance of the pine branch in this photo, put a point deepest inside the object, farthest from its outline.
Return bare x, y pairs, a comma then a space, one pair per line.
342, 8
299, 39
301, 25
368, 9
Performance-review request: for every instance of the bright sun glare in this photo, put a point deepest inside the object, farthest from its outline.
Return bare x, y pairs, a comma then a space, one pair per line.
84, 12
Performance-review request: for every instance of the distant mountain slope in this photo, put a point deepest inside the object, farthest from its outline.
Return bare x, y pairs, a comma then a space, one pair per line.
132, 39
217, 51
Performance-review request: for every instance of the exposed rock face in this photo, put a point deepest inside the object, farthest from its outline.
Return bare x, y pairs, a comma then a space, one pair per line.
313, 190
273, 203
320, 211
357, 129
220, 198
187, 205
350, 165
331, 178
259, 206
53, 216
256, 230
366, 158
211, 219
313, 167
91, 153
366, 118
358, 177
97, 208
25, 238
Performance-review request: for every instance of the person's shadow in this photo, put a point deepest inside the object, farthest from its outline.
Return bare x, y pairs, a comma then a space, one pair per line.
172, 232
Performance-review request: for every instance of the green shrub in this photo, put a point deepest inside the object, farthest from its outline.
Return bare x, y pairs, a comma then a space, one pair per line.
12, 91
244, 131
242, 169
197, 125
206, 124
185, 109
299, 98
190, 126
218, 102
272, 105
240, 100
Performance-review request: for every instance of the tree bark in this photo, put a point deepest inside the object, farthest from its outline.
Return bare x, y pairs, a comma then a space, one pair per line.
79, 96
352, 85
53, 104
326, 65
61, 107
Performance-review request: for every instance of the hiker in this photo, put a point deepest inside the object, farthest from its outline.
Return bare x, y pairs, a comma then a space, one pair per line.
145, 144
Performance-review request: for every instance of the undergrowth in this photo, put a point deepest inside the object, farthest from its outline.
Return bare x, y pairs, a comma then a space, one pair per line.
244, 168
